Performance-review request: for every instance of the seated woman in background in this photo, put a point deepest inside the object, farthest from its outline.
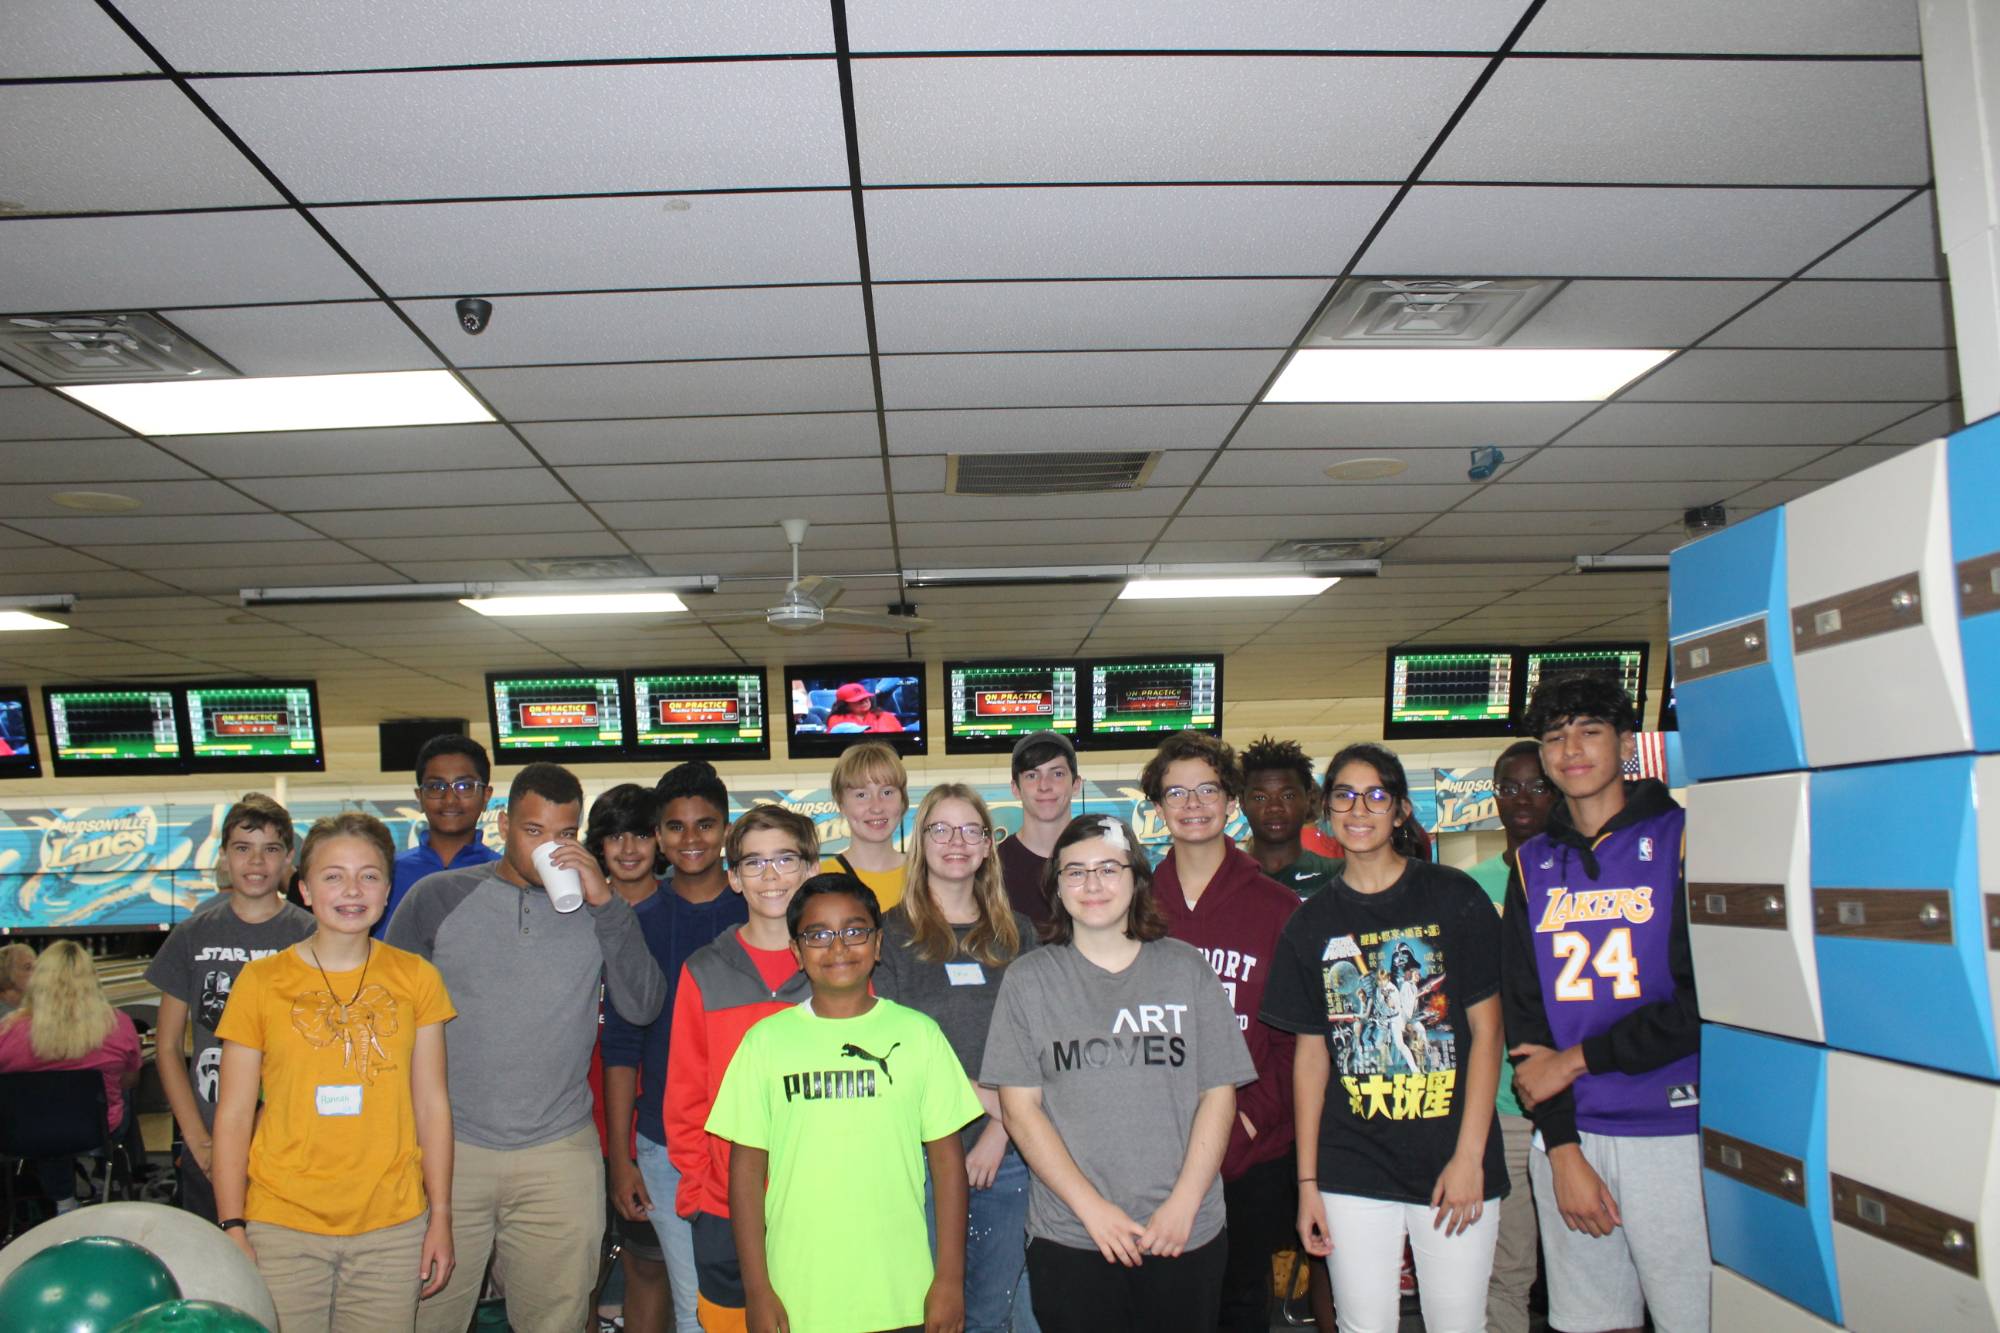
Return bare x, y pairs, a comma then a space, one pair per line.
64, 1022
16, 962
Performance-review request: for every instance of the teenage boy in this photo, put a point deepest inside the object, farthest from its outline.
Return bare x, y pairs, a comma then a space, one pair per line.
1215, 897
680, 916
1598, 989
527, 1185
1526, 799
198, 964
866, 1088
1045, 781
454, 781
729, 984
1278, 803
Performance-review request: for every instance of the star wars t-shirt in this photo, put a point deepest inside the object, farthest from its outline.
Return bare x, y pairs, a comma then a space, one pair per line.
198, 965
1385, 980
1121, 1058
844, 1107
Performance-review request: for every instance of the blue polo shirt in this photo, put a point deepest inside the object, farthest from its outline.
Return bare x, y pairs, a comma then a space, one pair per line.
419, 861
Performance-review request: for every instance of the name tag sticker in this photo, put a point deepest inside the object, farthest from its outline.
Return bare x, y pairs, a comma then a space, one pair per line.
965, 974
338, 1098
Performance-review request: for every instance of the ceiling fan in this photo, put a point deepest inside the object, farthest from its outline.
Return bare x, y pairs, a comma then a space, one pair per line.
808, 602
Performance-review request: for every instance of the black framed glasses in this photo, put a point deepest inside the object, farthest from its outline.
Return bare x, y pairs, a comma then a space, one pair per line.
822, 937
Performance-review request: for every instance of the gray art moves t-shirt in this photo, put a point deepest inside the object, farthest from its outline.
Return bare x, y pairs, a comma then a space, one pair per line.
1121, 1058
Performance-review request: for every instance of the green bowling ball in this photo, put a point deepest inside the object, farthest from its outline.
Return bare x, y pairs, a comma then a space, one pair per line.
190, 1317
85, 1285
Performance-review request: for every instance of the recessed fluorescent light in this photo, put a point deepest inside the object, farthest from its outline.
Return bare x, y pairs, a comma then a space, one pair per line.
1152, 589
284, 402
601, 604
16, 620
1460, 374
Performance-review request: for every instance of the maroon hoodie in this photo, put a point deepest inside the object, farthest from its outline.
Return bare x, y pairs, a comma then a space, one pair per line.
1236, 925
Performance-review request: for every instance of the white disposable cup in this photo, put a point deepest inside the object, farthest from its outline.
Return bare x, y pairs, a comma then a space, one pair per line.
565, 886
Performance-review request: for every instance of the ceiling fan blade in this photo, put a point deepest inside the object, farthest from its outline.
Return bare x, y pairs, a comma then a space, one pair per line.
879, 620
737, 618
819, 589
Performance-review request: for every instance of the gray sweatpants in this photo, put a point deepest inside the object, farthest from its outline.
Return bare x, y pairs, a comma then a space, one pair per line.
1656, 1261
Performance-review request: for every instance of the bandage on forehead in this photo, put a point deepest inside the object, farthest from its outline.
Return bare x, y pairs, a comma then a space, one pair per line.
1113, 832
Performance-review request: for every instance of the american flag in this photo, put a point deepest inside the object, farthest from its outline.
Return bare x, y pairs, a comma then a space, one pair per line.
1649, 757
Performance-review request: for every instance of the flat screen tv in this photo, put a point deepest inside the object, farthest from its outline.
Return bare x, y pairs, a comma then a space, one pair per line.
1449, 690
990, 705
699, 713
1132, 702
1624, 664
562, 716
254, 726
830, 706
113, 730
20, 752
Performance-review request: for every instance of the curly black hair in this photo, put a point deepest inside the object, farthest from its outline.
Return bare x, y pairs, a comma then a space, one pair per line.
1266, 755
1578, 694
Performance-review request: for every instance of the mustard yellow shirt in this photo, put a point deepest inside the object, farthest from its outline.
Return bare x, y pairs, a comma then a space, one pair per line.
888, 884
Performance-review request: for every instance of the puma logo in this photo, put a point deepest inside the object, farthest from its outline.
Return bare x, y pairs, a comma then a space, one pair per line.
850, 1051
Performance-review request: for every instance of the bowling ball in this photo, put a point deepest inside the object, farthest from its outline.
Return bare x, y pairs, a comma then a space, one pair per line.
83, 1286
204, 1261
190, 1317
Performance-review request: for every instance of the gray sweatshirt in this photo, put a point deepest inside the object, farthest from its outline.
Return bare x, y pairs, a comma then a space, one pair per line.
524, 979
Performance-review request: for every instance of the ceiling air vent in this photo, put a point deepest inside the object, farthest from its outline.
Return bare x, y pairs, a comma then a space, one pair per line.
1074, 472
104, 349
585, 568
1427, 312
1307, 550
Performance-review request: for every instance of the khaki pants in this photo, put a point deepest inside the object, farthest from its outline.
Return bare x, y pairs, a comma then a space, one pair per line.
538, 1213
342, 1284
1514, 1255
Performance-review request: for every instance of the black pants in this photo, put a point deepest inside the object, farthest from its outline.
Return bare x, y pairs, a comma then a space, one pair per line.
1076, 1291
1262, 1206
197, 1194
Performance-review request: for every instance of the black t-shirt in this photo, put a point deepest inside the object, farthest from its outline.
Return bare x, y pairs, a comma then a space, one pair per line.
1385, 980
1022, 870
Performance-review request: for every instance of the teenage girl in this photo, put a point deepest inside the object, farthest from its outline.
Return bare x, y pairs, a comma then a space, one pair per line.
872, 790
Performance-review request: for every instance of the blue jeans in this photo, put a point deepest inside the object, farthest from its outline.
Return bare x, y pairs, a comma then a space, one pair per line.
676, 1235
996, 1247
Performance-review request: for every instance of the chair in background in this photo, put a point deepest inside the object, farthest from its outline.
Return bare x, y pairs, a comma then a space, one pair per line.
57, 1116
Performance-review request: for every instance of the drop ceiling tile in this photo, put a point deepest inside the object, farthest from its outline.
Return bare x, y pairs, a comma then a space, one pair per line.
913, 25
312, 551
1846, 462
337, 453
936, 507
65, 40
967, 557
40, 414
408, 490
120, 147
1634, 314
1603, 496
1464, 523
1066, 316
141, 529
50, 560
1375, 498
495, 132
1902, 245
693, 541
522, 546
1207, 552
101, 263
1859, 27
1480, 231
696, 439
686, 388
1732, 122
325, 339
208, 35
233, 578
1799, 376
1307, 468
456, 571
654, 326
1129, 118
93, 461
1389, 427
1735, 423
1128, 232
752, 511
1783, 491
1921, 428
157, 497
1069, 379
491, 521
12, 540
1030, 545
1845, 314
694, 481
1742, 463
1298, 525
550, 245
1034, 430
1658, 543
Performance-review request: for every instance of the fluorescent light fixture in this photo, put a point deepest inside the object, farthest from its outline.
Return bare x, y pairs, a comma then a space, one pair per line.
15, 612
1237, 574
284, 402
1620, 564
18, 620
600, 604
1460, 374
1152, 589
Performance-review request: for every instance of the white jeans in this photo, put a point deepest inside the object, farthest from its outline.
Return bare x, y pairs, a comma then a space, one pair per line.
1452, 1271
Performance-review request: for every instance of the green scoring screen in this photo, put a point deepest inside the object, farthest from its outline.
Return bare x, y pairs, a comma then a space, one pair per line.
243, 721
1009, 700
698, 708
1448, 687
1150, 698
557, 712
99, 726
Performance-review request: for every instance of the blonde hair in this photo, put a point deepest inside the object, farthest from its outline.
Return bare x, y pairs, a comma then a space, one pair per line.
348, 824
8, 954
869, 761
64, 1007
994, 939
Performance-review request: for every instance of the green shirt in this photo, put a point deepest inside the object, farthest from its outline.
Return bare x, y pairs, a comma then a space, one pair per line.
1309, 874
1492, 877
844, 1107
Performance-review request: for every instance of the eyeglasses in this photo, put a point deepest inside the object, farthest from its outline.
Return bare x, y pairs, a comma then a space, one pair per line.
784, 863
1510, 790
1180, 796
942, 833
821, 937
1106, 872
1377, 799
438, 786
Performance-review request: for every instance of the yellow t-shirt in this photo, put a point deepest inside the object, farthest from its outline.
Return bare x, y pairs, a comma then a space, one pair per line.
335, 1151
888, 884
